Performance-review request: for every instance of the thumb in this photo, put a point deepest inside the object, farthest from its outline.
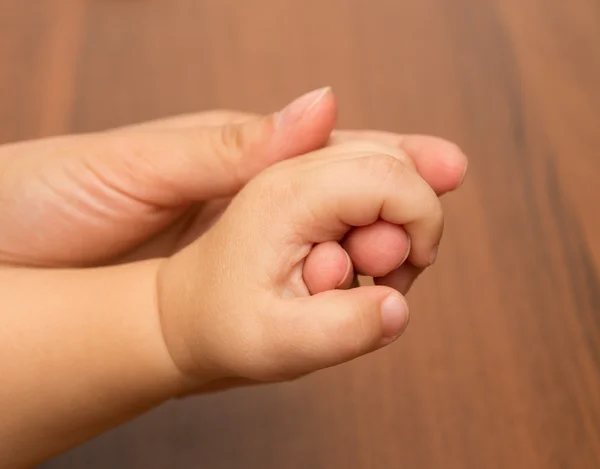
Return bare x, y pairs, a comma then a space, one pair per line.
337, 326
180, 165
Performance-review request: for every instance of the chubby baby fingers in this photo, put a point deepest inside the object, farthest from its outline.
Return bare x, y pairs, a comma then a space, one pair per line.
315, 202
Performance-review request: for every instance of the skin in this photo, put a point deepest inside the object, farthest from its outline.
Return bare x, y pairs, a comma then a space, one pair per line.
285, 332
147, 190
195, 254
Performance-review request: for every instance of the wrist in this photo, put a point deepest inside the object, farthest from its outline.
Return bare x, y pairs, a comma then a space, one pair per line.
179, 381
176, 287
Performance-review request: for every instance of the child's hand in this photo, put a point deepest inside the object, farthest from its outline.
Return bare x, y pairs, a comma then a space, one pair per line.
235, 303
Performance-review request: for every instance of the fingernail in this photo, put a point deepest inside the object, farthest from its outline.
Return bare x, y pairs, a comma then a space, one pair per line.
345, 279
434, 254
406, 254
394, 315
464, 175
294, 111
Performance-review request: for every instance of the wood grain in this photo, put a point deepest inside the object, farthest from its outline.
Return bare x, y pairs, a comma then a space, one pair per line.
501, 365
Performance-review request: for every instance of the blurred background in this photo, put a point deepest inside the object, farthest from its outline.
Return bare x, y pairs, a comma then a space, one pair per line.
501, 365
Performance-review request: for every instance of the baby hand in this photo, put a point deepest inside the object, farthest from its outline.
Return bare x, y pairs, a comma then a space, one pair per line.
235, 303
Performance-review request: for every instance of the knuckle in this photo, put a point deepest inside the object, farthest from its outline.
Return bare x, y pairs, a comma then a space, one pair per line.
231, 137
227, 147
384, 167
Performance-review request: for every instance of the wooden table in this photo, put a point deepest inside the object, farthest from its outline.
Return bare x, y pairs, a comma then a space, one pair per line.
501, 365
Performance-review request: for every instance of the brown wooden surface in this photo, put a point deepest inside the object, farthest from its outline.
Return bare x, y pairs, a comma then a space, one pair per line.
501, 365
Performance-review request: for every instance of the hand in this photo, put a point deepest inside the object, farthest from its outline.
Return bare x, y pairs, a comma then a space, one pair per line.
148, 190
235, 304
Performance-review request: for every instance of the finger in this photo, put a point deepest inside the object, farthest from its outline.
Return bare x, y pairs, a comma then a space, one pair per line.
187, 121
440, 162
402, 278
327, 267
184, 165
351, 150
377, 249
336, 326
324, 198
